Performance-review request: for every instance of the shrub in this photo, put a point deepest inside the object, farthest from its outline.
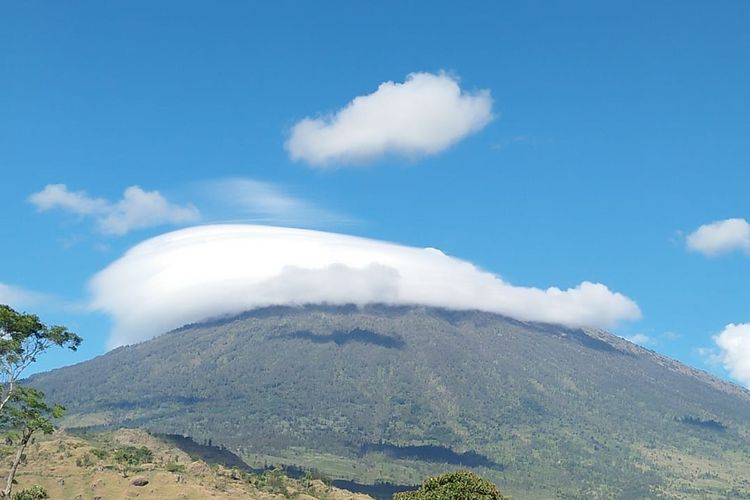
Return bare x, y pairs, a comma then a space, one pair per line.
36, 492
175, 467
99, 453
458, 485
85, 461
131, 455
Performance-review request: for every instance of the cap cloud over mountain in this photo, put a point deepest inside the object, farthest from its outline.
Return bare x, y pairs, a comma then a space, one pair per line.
200, 272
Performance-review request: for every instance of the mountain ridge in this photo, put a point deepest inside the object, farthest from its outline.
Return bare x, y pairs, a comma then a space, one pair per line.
388, 392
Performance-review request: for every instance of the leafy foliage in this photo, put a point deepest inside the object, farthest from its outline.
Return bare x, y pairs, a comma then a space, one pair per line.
23, 337
87, 460
34, 493
29, 413
132, 455
174, 467
459, 485
100, 453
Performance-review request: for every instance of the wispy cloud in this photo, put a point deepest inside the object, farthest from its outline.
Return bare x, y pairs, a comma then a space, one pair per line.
18, 297
260, 202
651, 339
506, 143
57, 196
421, 116
720, 237
230, 199
640, 339
137, 209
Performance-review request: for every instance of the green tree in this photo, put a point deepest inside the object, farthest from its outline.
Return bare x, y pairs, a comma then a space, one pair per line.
23, 411
23, 337
26, 414
458, 485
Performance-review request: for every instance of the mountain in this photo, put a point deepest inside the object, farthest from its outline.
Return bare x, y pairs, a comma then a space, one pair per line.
399, 393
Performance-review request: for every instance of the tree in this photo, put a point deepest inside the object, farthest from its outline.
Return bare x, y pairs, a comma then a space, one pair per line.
23, 411
458, 485
27, 414
23, 337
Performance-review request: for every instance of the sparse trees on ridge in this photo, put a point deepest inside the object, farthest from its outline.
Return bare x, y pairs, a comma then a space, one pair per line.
23, 411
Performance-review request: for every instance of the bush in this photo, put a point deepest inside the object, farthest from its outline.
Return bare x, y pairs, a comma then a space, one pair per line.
275, 481
131, 455
175, 467
36, 492
85, 461
459, 485
99, 453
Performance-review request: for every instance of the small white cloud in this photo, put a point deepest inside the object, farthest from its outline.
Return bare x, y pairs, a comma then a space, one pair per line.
640, 339
17, 297
720, 237
421, 116
57, 196
669, 335
265, 203
138, 209
199, 272
734, 351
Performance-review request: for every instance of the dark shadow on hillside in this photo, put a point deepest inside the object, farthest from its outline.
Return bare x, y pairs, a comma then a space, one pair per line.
709, 424
379, 491
207, 453
580, 337
592, 343
432, 453
356, 335
222, 456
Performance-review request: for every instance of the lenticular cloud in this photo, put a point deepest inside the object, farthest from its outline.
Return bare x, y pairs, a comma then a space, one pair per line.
201, 272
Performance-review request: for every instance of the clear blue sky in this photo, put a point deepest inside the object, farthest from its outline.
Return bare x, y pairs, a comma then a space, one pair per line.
619, 128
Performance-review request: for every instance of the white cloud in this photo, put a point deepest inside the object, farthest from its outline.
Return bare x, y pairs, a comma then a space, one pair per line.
720, 237
17, 297
137, 209
265, 203
140, 209
734, 351
57, 196
199, 272
421, 116
640, 339
670, 336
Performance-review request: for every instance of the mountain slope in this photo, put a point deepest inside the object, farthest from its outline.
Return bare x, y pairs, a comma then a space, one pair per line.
89, 466
398, 393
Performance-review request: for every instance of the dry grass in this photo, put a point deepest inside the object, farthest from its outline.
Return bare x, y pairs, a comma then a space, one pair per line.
68, 468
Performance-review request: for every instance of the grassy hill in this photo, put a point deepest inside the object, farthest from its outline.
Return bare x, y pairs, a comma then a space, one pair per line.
131, 463
401, 393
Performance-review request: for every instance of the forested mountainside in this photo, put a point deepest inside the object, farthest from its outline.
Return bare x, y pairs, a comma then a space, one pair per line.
399, 393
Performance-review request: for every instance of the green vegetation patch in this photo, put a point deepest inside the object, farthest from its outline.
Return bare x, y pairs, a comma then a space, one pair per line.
459, 485
132, 455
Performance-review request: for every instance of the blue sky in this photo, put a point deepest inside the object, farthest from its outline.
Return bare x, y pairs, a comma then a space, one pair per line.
618, 130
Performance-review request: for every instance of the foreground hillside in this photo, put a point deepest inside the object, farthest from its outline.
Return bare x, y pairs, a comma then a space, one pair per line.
133, 464
398, 394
